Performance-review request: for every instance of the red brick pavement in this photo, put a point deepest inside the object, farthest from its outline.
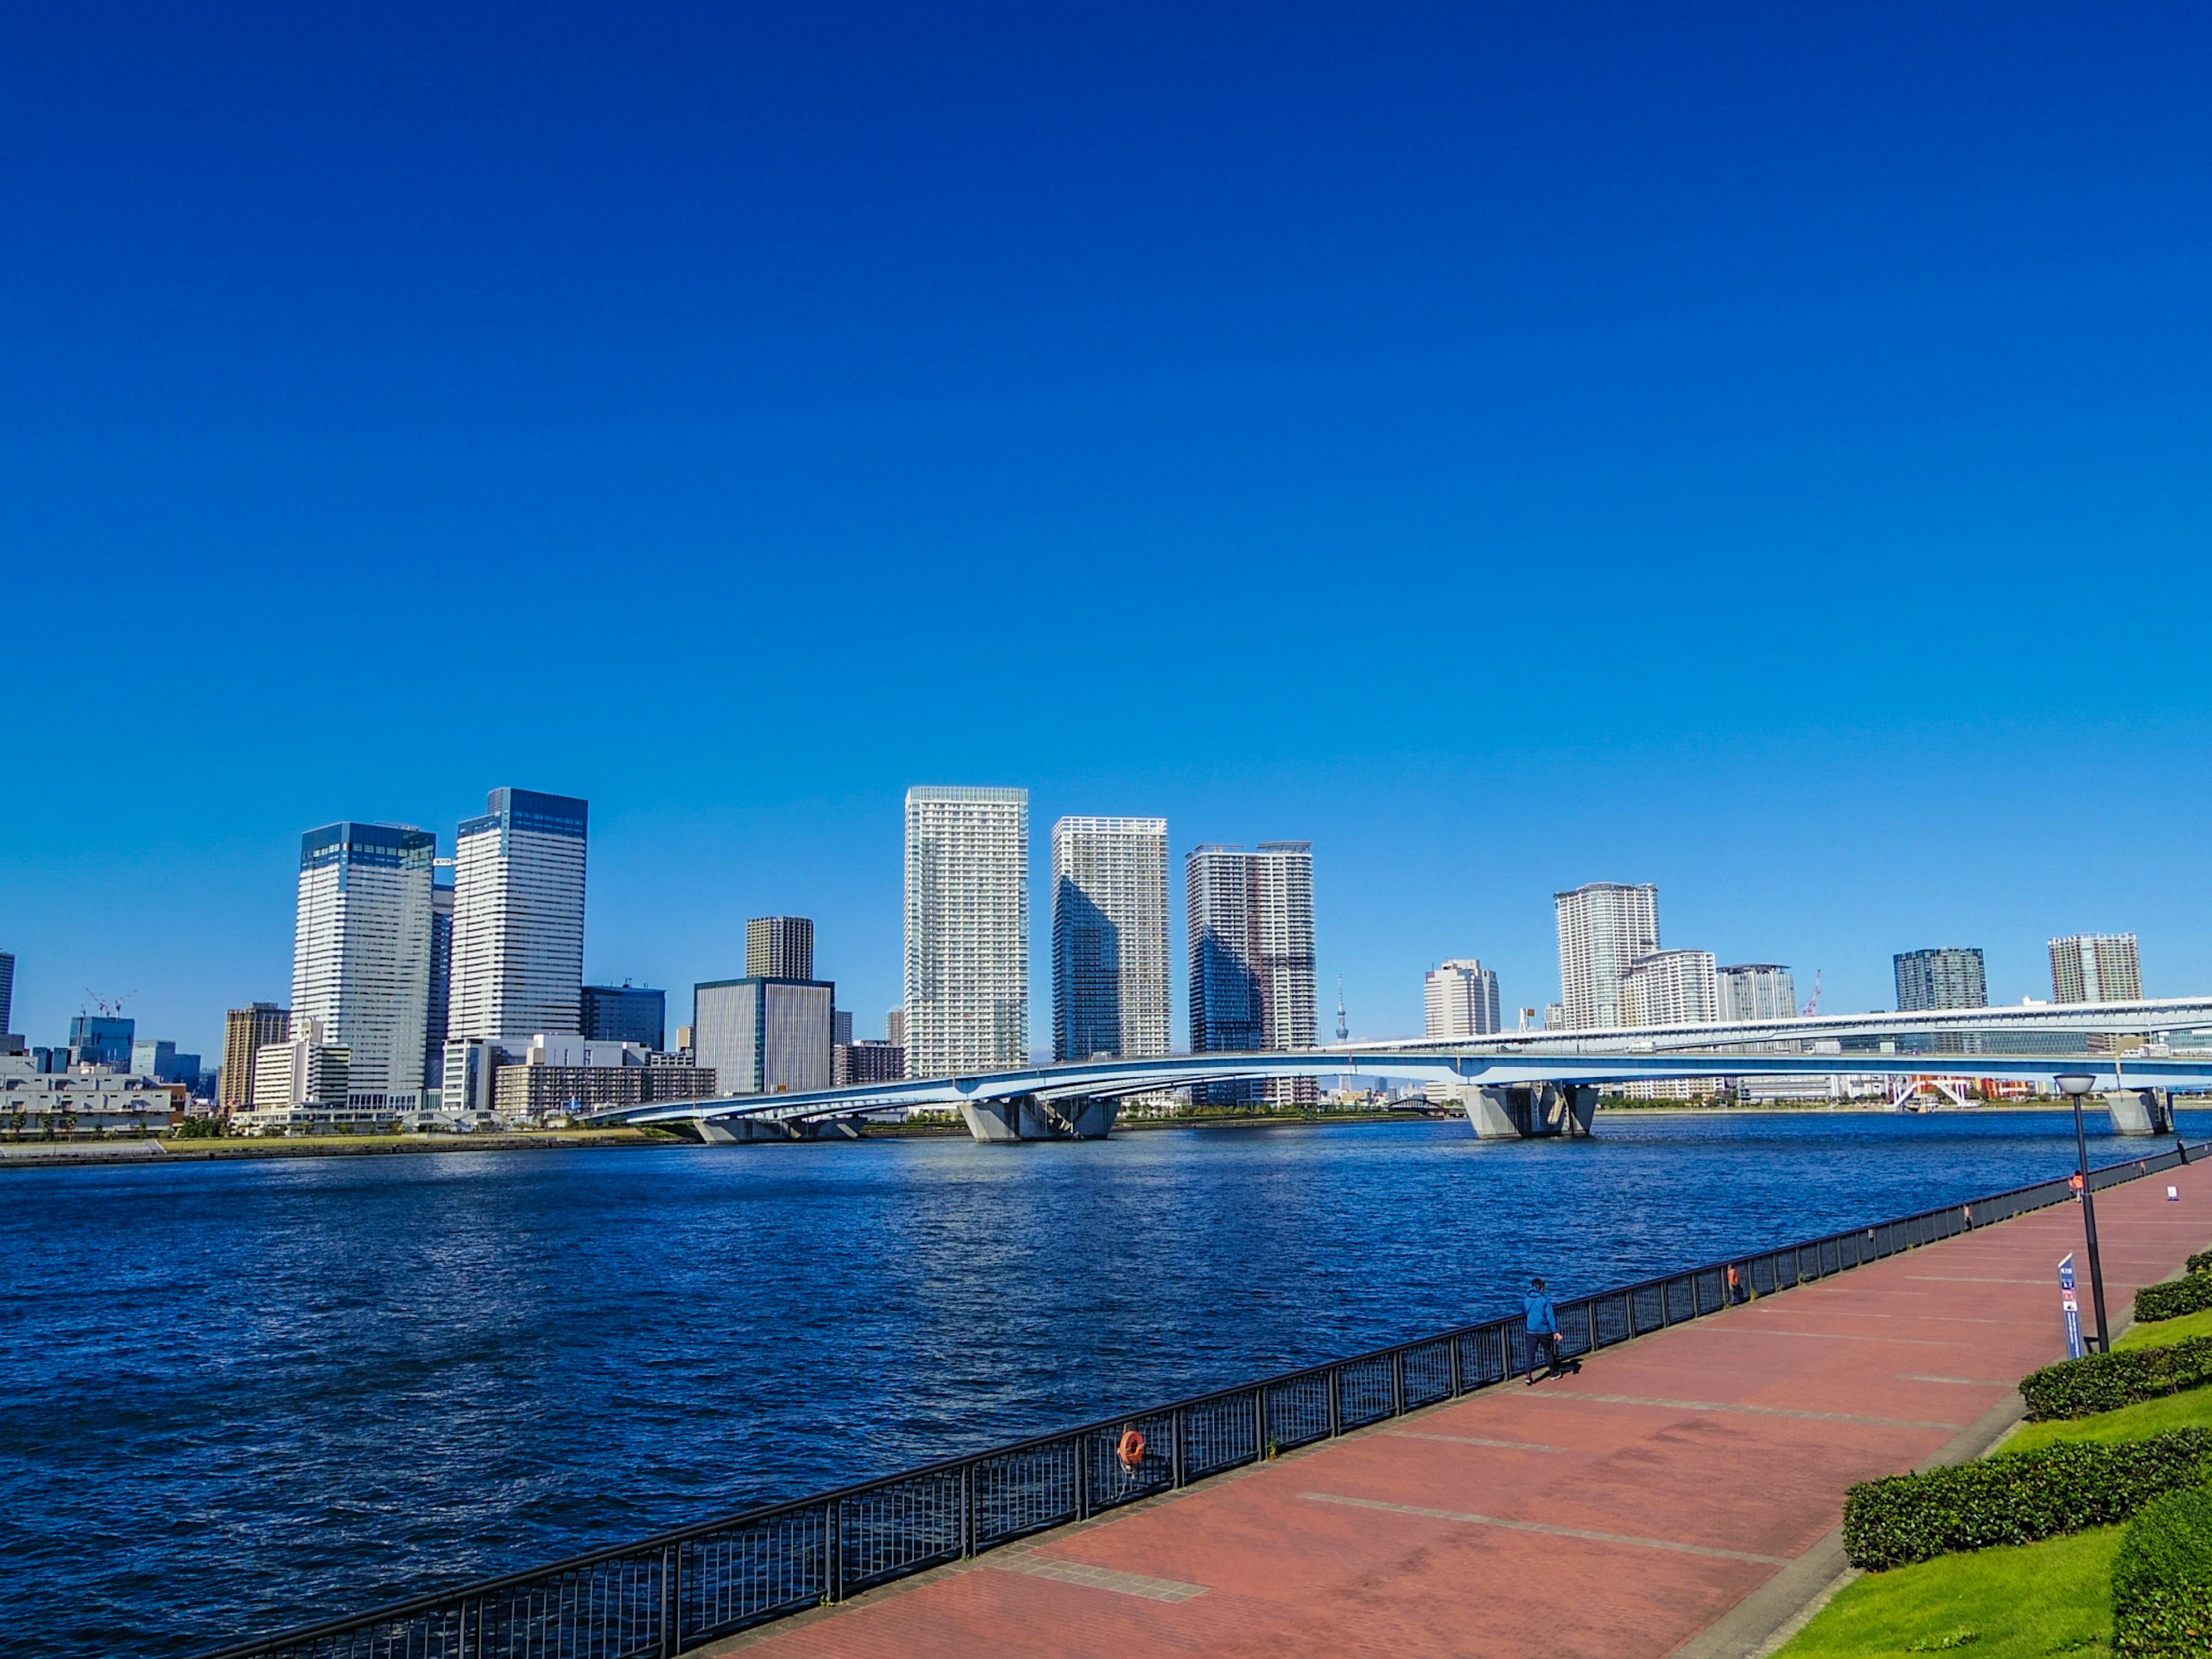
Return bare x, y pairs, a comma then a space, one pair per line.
1614, 1515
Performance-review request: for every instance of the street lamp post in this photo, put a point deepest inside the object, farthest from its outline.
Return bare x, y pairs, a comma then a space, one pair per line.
2073, 1085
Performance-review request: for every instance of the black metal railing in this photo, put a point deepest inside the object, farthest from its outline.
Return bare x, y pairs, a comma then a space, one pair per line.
670, 1592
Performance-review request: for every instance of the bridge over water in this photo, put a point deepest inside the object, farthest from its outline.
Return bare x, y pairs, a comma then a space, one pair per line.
1545, 1082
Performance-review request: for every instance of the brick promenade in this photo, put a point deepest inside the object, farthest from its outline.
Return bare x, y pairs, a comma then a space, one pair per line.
1677, 1498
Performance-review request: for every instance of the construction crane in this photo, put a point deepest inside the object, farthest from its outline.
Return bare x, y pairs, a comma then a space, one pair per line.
1813, 1006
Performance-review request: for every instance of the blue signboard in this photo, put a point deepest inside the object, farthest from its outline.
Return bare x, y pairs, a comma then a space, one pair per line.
2074, 1349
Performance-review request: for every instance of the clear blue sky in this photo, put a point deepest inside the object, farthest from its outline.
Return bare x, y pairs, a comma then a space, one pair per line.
1758, 450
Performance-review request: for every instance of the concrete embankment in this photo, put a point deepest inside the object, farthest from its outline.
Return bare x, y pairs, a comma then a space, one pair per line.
1677, 1499
48, 1154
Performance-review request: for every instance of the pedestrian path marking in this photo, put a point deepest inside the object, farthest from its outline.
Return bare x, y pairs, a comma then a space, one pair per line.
1761, 1411
1976, 1382
1956, 1279
1542, 1527
1475, 1440
1105, 1578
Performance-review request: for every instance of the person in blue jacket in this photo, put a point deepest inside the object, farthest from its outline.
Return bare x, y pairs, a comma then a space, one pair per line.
1543, 1322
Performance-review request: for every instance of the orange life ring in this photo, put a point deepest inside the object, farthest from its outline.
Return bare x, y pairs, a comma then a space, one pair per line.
1132, 1449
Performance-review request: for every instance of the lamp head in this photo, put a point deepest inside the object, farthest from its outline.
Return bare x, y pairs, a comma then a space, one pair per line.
2076, 1084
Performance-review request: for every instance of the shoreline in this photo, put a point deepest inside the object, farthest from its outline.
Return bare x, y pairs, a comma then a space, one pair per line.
88, 1154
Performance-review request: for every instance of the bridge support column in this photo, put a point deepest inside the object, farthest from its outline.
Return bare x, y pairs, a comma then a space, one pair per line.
1527, 1111
737, 1131
2140, 1111
1026, 1117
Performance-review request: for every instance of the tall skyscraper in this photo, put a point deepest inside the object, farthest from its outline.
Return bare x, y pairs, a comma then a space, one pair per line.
7, 990
1758, 990
780, 947
439, 1007
1251, 919
1947, 977
1604, 927
246, 1032
518, 919
626, 1014
1462, 998
967, 930
360, 954
2095, 968
1671, 988
1109, 938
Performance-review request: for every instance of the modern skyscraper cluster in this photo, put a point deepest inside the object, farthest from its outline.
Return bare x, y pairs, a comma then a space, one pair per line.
775, 1031
1615, 972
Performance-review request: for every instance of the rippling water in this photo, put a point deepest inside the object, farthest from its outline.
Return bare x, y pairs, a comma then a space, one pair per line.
241, 1395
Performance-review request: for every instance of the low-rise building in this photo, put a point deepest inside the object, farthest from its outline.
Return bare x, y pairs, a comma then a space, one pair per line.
81, 1100
568, 1077
869, 1061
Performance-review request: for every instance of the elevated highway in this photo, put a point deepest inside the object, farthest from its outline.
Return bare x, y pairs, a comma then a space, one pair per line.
1544, 1083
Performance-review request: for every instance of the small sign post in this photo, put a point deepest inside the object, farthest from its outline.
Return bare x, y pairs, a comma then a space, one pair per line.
2073, 1307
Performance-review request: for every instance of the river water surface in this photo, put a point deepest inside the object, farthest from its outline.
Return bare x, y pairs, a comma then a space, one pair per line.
241, 1395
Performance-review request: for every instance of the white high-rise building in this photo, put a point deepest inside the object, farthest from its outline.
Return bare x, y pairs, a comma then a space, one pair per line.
1671, 988
1109, 938
361, 954
518, 966
1462, 1000
1252, 981
967, 930
1758, 990
2095, 968
1603, 929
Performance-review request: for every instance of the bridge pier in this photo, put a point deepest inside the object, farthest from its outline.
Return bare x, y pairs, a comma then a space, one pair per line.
1527, 1111
2140, 1111
1026, 1117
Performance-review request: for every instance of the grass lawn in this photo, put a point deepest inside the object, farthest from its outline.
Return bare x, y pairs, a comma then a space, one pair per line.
2055, 1597
2159, 1333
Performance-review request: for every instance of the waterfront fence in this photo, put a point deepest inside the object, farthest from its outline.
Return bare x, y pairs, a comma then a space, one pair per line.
668, 1593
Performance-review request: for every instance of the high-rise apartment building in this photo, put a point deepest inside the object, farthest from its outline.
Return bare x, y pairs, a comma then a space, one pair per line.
7, 991
895, 1027
302, 1070
1946, 976
868, 1060
361, 954
246, 1032
518, 919
1462, 1000
780, 947
967, 930
1758, 990
1109, 938
1252, 987
2095, 968
1604, 926
626, 1014
764, 1036
438, 1008
1671, 988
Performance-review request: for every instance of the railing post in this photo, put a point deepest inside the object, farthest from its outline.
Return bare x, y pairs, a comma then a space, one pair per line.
1082, 1480
833, 1563
669, 1643
1335, 1405
1175, 1446
1259, 1423
1397, 1382
1458, 1372
967, 1510
471, 1626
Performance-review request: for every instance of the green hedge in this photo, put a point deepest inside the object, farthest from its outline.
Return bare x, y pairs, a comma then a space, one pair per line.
2017, 1498
2162, 1578
2175, 1298
2200, 1263
2105, 1381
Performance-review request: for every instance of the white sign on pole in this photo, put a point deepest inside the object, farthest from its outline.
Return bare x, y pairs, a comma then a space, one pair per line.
2074, 1349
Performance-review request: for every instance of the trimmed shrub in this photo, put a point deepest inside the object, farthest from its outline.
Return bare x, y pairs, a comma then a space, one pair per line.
2175, 1298
2199, 1263
2162, 1578
2105, 1381
2017, 1498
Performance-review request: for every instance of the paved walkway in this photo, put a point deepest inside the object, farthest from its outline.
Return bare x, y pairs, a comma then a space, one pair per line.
1679, 1496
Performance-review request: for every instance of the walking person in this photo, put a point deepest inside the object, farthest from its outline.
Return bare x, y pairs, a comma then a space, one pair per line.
1542, 1320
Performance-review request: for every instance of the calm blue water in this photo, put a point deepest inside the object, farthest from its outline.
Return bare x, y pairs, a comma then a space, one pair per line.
237, 1396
